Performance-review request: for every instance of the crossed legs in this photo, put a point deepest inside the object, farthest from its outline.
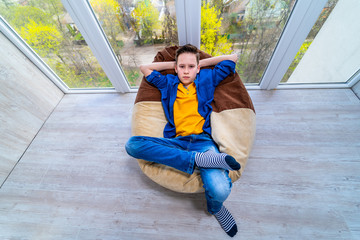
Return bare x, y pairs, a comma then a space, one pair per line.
183, 153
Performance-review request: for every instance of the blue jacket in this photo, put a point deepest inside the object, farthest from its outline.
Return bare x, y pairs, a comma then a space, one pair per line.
206, 81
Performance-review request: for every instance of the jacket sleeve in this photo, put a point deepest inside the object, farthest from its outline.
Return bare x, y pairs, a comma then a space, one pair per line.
156, 78
222, 70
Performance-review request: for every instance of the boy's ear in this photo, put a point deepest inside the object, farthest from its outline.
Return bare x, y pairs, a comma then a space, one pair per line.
175, 68
198, 68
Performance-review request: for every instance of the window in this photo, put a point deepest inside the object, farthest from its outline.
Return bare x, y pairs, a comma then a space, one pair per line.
52, 34
122, 34
136, 30
331, 51
250, 28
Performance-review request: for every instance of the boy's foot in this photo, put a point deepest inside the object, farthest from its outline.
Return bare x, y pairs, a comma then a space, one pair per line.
212, 159
226, 221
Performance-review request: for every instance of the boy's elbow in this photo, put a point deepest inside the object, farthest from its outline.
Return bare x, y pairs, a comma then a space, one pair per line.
142, 68
233, 57
145, 70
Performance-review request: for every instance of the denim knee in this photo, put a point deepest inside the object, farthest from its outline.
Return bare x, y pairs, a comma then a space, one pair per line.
216, 196
131, 145
217, 185
219, 192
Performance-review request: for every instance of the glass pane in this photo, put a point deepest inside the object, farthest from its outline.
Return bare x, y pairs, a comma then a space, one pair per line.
314, 58
50, 31
137, 30
250, 28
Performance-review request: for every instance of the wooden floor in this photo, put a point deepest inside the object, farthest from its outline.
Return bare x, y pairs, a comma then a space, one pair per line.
302, 181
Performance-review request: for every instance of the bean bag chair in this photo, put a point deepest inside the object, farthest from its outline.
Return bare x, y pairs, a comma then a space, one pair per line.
232, 122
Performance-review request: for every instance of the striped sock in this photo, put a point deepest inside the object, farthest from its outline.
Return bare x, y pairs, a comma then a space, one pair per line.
226, 221
212, 159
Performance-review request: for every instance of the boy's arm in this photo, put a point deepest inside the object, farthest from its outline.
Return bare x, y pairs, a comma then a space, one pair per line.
222, 70
147, 69
215, 60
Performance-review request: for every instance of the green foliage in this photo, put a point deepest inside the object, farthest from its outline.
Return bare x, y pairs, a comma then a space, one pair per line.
146, 21
212, 41
133, 75
234, 26
44, 39
19, 16
74, 33
52, 7
37, 28
75, 79
108, 12
5, 4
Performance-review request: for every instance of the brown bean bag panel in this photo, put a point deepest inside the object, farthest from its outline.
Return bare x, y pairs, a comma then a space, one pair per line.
232, 123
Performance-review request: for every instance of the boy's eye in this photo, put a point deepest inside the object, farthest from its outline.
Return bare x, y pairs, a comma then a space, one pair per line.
190, 66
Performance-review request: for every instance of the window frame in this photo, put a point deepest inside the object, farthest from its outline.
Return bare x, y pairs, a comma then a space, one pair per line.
301, 20
299, 24
90, 28
188, 19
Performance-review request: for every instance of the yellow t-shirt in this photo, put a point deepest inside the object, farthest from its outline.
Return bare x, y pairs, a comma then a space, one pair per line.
186, 116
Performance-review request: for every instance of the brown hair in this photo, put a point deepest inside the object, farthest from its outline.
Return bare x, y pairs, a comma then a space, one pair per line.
188, 48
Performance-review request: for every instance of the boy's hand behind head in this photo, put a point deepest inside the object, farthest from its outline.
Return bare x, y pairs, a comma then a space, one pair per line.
234, 57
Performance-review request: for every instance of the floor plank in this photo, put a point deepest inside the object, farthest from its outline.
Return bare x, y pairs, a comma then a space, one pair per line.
301, 182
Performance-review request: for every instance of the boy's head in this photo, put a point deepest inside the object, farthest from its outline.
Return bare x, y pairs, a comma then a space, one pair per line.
187, 63
188, 48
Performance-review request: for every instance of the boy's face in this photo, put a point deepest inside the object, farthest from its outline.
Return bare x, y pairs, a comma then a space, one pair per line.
187, 68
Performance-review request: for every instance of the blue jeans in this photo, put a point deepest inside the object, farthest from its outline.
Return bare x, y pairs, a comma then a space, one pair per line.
180, 153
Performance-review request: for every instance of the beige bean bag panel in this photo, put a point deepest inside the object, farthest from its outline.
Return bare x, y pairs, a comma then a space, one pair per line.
232, 123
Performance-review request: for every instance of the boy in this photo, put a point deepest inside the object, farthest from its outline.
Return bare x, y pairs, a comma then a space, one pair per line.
187, 143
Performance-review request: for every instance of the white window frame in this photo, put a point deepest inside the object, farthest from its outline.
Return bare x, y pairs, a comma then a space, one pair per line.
298, 26
188, 19
301, 20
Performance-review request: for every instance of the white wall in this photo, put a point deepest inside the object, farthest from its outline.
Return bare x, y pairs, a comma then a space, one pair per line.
27, 98
334, 55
